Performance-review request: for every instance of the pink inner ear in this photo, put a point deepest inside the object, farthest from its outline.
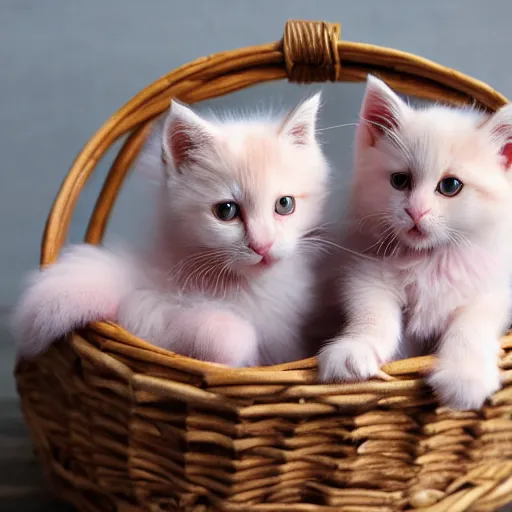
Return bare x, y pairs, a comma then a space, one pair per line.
380, 115
181, 143
506, 151
299, 134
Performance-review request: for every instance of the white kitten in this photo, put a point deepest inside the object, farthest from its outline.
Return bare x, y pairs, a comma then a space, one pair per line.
228, 277
431, 201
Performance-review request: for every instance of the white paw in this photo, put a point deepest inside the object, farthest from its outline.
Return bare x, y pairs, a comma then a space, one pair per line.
347, 359
226, 338
462, 386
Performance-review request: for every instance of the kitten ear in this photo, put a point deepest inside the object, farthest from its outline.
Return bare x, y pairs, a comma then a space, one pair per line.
184, 135
299, 125
381, 110
500, 128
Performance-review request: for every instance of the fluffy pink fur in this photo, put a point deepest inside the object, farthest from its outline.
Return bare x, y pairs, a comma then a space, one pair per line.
86, 284
436, 272
234, 292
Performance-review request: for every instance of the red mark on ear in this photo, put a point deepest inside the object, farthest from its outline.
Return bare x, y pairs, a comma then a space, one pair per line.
506, 152
299, 134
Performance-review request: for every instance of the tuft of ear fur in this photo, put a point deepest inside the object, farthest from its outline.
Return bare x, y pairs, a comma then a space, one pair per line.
185, 133
300, 124
382, 108
499, 126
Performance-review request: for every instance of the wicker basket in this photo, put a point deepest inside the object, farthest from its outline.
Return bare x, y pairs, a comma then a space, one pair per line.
120, 425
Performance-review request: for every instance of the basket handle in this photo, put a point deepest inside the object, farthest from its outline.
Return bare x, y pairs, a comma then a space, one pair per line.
311, 51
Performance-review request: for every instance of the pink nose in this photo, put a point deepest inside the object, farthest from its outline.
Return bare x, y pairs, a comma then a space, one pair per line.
260, 249
416, 215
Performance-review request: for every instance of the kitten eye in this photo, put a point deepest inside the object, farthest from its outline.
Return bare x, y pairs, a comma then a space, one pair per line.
400, 180
226, 211
285, 205
449, 187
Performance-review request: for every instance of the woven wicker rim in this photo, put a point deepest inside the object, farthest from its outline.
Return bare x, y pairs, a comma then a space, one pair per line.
309, 52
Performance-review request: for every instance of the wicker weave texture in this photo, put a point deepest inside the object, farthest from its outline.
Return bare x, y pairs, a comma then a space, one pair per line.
121, 425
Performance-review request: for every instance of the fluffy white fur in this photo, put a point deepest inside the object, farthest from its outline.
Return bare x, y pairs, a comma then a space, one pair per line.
235, 292
438, 277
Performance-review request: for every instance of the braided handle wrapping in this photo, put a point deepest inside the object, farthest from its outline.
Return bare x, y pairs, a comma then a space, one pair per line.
311, 51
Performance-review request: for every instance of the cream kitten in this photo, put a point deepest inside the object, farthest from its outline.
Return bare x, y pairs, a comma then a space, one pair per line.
229, 276
431, 200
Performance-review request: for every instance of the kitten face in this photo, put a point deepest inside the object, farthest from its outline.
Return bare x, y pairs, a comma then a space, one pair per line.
247, 192
430, 177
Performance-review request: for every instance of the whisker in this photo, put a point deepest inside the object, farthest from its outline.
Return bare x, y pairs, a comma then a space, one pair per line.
384, 235
225, 273
196, 258
383, 241
191, 271
395, 250
220, 279
192, 268
335, 126
393, 238
350, 251
317, 230
382, 223
199, 270
394, 138
202, 275
383, 217
313, 247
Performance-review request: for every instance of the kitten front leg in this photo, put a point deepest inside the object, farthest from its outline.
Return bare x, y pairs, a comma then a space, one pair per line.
202, 329
370, 337
467, 371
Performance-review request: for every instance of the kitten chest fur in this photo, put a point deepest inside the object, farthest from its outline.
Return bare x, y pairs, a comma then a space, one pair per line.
432, 287
276, 303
